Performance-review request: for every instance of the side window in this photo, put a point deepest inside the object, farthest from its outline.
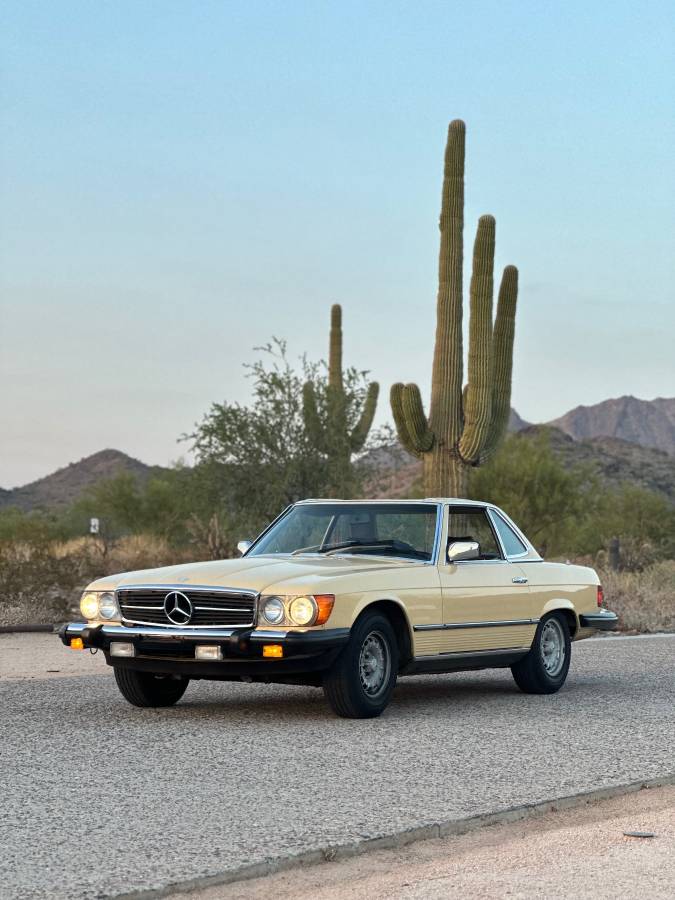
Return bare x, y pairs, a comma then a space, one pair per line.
512, 543
472, 524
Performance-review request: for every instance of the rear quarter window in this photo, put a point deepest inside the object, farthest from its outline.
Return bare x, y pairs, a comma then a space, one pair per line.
513, 546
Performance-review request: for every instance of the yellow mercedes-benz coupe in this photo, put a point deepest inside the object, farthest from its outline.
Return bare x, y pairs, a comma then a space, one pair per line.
348, 595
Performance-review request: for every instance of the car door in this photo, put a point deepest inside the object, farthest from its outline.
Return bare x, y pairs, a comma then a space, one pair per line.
486, 601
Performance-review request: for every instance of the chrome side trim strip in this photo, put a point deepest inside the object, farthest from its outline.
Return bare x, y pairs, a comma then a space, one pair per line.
475, 653
451, 626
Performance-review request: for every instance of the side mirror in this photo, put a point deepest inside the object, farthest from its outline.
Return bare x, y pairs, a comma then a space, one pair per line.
459, 550
244, 546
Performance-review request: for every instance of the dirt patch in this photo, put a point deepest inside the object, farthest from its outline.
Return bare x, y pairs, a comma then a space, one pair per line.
581, 853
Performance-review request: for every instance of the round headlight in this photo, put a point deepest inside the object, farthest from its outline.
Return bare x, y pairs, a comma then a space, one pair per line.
107, 605
273, 610
303, 610
89, 605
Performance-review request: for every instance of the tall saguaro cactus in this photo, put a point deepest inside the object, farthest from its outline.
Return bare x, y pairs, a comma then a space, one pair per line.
465, 426
333, 433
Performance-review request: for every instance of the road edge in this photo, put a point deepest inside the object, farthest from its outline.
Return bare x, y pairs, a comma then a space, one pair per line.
27, 629
447, 828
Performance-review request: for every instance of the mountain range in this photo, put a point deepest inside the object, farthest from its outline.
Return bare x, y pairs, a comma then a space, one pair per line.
650, 423
66, 485
626, 439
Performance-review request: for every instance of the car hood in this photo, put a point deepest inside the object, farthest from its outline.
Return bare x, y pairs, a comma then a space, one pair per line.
259, 573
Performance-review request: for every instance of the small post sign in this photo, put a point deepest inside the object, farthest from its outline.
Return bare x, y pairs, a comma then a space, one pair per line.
93, 526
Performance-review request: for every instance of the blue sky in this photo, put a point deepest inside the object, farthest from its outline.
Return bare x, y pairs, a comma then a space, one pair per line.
180, 181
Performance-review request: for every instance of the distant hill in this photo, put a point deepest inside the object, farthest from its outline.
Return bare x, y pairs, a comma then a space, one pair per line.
616, 461
66, 485
515, 421
625, 439
650, 423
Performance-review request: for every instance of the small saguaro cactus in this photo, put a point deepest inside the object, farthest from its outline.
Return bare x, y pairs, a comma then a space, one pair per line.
465, 426
334, 433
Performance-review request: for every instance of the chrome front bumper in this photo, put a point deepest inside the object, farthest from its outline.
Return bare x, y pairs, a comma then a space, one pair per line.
172, 650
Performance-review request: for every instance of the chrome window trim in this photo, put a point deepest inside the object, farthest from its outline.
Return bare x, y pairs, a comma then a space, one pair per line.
167, 588
440, 521
271, 525
454, 626
486, 509
493, 513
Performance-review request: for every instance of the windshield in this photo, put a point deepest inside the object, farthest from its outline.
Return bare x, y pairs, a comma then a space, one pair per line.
391, 529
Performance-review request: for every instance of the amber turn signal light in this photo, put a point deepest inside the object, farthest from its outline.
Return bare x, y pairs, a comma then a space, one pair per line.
325, 603
76, 644
275, 651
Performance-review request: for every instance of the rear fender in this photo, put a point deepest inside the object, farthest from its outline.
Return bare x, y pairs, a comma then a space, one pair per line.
565, 606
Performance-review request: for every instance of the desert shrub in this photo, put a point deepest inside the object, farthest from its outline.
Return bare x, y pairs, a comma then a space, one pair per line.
253, 461
41, 581
571, 512
546, 500
36, 584
644, 601
16, 525
160, 507
643, 521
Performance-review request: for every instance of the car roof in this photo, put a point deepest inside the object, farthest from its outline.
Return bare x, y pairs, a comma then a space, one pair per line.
434, 500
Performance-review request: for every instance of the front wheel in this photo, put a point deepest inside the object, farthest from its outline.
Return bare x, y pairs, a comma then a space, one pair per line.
360, 682
146, 689
544, 669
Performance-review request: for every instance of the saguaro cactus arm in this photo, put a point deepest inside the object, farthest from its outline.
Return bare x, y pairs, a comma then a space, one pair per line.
478, 408
445, 413
310, 413
335, 348
400, 420
362, 427
411, 422
502, 359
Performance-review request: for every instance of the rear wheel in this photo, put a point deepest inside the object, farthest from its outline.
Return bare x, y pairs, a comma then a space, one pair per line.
360, 682
147, 689
544, 669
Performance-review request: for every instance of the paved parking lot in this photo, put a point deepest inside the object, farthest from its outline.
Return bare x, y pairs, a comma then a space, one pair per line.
100, 798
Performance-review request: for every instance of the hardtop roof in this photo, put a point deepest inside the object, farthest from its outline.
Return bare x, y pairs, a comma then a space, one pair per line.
435, 500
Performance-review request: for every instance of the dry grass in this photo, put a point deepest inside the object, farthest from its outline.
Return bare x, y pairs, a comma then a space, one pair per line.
42, 581
644, 601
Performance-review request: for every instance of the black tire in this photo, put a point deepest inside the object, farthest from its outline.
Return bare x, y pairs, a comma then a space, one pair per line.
372, 647
541, 671
146, 689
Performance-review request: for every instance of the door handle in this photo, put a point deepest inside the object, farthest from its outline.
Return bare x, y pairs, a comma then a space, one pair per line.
519, 580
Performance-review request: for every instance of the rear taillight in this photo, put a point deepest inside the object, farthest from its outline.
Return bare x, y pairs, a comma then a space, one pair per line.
601, 595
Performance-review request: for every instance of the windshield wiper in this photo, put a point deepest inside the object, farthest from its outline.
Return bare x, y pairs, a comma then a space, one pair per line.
325, 548
360, 545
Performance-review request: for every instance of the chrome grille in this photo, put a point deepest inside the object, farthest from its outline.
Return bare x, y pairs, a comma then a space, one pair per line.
210, 607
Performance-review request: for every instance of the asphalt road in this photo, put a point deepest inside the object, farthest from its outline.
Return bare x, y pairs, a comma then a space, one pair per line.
98, 798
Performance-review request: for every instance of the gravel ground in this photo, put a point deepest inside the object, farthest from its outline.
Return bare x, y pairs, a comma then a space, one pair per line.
36, 656
100, 798
581, 853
